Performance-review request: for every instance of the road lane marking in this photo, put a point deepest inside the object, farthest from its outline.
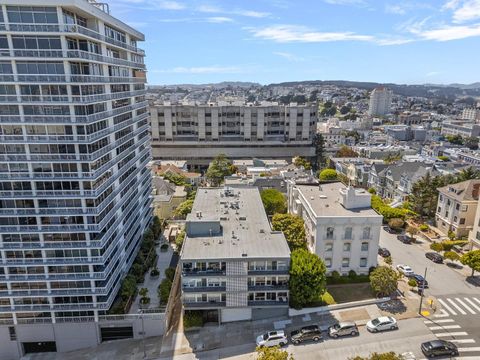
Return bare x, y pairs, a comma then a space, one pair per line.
456, 306
445, 305
445, 327
439, 321
466, 306
472, 303
458, 333
478, 301
442, 314
463, 341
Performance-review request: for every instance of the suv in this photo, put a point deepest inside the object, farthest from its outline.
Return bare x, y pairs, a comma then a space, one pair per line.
436, 258
311, 332
343, 329
272, 338
438, 348
405, 239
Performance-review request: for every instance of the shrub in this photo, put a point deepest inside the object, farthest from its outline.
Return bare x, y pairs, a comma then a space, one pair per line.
387, 211
335, 275
192, 318
164, 248
327, 299
396, 223
449, 244
352, 274
423, 227
451, 255
412, 283
436, 247
372, 191
170, 273
164, 290
154, 272
328, 175
388, 260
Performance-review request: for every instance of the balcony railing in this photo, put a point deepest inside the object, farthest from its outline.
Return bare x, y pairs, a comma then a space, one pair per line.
267, 287
197, 272
46, 78
267, 303
204, 304
199, 289
269, 271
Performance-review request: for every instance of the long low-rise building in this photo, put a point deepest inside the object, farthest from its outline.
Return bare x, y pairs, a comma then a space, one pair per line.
198, 133
234, 266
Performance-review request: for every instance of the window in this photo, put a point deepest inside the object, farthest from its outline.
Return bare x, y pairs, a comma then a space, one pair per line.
364, 246
457, 206
348, 233
345, 262
347, 246
32, 15
328, 262
462, 221
454, 219
363, 262
328, 247
439, 209
330, 233
464, 207
366, 232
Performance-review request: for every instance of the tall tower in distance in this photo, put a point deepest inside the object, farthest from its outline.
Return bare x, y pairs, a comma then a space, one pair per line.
74, 187
380, 101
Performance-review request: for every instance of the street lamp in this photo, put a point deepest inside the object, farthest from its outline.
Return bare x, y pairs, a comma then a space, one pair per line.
140, 311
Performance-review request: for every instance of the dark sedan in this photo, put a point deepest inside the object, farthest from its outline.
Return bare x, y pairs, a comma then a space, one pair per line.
439, 348
405, 239
383, 252
420, 280
436, 258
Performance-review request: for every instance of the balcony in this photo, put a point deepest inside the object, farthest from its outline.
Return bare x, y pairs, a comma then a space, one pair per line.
201, 289
268, 271
268, 287
46, 78
267, 303
204, 304
196, 272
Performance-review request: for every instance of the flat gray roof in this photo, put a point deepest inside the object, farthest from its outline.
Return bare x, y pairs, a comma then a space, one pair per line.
325, 200
245, 229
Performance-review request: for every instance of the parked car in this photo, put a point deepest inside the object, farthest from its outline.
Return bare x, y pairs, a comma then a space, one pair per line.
390, 230
405, 269
383, 252
272, 338
439, 348
311, 332
405, 239
420, 280
343, 329
435, 257
382, 323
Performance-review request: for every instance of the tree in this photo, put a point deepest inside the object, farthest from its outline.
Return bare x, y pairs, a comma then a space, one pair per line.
346, 151
384, 280
272, 353
451, 255
183, 209
345, 109
471, 143
273, 201
170, 273
454, 139
469, 173
156, 227
179, 240
412, 230
412, 282
220, 167
293, 227
129, 286
472, 260
396, 223
383, 356
307, 278
164, 290
299, 161
318, 143
328, 175
437, 247
144, 299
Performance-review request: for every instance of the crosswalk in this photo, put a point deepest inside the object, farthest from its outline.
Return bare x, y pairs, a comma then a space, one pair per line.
460, 306
444, 327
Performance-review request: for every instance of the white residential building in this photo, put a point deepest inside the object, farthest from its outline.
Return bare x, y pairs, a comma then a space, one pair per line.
74, 186
462, 128
341, 226
198, 133
471, 114
380, 101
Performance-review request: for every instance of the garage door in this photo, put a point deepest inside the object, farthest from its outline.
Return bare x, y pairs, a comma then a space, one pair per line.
116, 333
38, 347
236, 314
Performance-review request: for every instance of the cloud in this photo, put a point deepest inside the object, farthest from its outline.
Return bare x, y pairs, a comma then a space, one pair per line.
289, 56
468, 10
346, 2
155, 4
301, 34
432, 73
448, 32
241, 12
219, 19
395, 9
214, 69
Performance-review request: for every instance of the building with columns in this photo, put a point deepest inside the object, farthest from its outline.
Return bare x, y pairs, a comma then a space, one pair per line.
198, 133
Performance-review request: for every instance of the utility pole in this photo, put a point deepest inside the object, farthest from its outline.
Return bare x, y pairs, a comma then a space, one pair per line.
422, 292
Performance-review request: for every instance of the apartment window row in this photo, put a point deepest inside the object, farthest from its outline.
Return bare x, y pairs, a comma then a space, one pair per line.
346, 262
347, 247
330, 233
32, 14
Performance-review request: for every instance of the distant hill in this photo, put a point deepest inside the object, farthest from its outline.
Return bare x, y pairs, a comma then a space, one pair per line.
220, 85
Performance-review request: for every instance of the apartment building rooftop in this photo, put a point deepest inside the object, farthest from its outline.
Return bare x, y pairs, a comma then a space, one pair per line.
231, 223
335, 199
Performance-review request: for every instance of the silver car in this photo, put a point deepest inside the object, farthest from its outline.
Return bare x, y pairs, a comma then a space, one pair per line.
343, 329
382, 323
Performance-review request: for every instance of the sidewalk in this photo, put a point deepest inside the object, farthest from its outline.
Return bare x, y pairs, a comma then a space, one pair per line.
151, 283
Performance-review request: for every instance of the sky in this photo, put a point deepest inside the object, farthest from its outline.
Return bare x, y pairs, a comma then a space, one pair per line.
271, 41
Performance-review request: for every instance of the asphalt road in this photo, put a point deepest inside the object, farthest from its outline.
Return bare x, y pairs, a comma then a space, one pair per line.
442, 280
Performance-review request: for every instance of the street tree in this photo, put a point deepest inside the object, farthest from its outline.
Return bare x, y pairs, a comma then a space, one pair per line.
293, 227
220, 167
383, 356
412, 230
472, 260
307, 278
272, 353
384, 280
451, 255
437, 247
328, 175
273, 201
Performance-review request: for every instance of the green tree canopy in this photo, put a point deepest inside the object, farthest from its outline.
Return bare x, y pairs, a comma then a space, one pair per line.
451, 255
292, 227
469, 173
129, 286
300, 161
328, 174
272, 353
471, 143
346, 151
437, 247
318, 143
220, 167
472, 260
156, 227
383, 356
183, 209
384, 280
307, 278
273, 201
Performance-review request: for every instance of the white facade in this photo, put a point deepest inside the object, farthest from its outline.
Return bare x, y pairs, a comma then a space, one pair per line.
74, 148
461, 128
198, 133
471, 114
380, 101
341, 227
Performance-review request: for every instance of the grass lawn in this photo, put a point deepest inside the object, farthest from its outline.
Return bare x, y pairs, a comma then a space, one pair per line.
350, 292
